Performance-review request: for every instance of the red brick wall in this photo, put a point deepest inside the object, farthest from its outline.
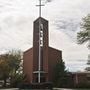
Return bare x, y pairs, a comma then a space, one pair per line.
28, 64
79, 78
50, 56
53, 57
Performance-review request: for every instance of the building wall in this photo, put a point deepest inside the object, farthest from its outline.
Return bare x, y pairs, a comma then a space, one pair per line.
81, 78
44, 49
36, 43
50, 56
45, 45
54, 56
28, 64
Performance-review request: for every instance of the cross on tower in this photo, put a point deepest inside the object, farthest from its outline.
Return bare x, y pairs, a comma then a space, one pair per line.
40, 5
40, 41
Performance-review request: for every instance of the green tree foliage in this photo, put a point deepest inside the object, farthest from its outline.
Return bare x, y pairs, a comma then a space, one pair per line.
14, 60
84, 35
17, 80
10, 65
4, 69
62, 77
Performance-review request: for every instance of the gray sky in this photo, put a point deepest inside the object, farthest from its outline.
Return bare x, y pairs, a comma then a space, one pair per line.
16, 27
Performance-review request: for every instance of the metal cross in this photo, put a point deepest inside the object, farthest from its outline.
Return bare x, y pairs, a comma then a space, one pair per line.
39, 61
40, 5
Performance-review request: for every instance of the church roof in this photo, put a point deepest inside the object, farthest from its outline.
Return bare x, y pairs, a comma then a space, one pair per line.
41, 19
48, 47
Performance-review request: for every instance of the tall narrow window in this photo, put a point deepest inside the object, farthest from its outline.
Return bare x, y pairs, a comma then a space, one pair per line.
41, 35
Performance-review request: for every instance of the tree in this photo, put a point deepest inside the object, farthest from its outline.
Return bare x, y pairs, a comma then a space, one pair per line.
84, 35
15, 60
4, 70
10, 65
62, 77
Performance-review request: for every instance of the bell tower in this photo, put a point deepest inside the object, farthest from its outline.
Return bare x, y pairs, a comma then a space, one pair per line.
40, 50
40, 60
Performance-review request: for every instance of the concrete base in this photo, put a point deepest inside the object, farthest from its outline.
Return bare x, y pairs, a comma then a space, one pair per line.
10, 89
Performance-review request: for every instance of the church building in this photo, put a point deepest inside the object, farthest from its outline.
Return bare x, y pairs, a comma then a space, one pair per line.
40, 60
48, 59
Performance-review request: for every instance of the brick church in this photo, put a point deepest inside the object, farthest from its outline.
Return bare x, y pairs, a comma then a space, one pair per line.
40, 68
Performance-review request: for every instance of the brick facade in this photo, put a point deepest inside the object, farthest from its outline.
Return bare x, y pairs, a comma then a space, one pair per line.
49, 56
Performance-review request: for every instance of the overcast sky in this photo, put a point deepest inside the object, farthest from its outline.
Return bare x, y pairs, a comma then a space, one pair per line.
16, 27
